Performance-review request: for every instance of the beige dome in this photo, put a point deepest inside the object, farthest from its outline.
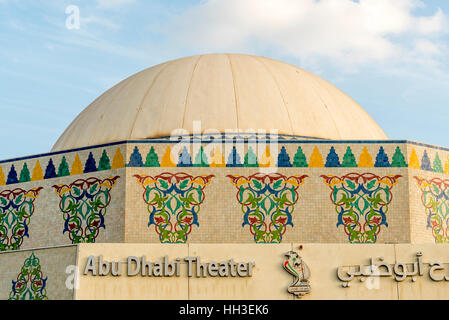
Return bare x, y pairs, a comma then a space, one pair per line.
224, 91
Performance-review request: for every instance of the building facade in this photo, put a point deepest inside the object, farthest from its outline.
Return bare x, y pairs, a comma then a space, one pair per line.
328, 199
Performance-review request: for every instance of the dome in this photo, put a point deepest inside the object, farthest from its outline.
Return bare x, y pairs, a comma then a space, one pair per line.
223, 91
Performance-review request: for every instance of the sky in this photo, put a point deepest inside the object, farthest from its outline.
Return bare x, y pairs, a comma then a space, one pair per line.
391, 56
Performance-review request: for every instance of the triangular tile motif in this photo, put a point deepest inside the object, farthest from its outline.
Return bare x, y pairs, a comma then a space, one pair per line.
12, 176
201, 159
349, 159
118, 161
414, 160
217, 158
135, 160
152, 159
300, 160
104, 163
398, 160
250, 159
284, 159
77, 166
2, 177
332, 159
266, 160
63, 169
382, 160
50, 170
425, 162
446, 166
167, 159
316, 159
185, 160
365, 160
38, 174
234, 159
91, 164
25, 174
437, 164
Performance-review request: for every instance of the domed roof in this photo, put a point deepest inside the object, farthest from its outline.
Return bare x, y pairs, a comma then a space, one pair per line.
223, 91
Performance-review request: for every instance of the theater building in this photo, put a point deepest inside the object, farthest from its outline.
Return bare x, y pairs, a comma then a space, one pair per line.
225, 176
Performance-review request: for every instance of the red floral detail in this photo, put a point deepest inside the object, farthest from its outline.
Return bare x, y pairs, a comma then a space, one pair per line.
95, 223
376, 220
348, 220
282, 220
253, 220
159, 220
188, 220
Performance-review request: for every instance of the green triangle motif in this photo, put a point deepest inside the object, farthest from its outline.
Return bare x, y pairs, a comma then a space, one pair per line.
300, 159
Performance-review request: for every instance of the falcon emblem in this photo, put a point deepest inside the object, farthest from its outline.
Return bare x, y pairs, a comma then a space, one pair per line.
294, 265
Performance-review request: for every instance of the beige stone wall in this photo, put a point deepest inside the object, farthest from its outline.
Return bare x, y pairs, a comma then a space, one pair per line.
47, 223
221, 217
269, 281
53, 262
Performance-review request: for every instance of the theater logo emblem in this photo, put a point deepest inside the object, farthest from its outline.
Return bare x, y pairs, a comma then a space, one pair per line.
294, 265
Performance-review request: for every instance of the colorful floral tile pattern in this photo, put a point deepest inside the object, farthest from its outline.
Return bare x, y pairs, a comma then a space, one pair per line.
174, 202
16, 209
361, 202
268, 202
30, 283
435, 198
83, 204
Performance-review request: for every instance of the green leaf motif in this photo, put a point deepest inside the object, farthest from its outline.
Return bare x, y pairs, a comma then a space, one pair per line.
257, 184
183, 184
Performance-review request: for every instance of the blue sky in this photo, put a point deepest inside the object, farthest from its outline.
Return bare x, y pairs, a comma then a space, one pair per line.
391, 56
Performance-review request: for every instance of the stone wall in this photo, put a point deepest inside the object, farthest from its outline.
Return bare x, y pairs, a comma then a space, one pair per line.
34, 214
311, 191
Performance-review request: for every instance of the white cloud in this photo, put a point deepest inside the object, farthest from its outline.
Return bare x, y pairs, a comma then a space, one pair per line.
112, 4
345, 32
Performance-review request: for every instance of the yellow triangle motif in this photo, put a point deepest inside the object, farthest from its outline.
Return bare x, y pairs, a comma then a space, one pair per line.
414, 161
217, 158
316, 159
366, 161
166, 159
267, 160
2, 177
118, 161
37, 172
446, 167
77, 166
